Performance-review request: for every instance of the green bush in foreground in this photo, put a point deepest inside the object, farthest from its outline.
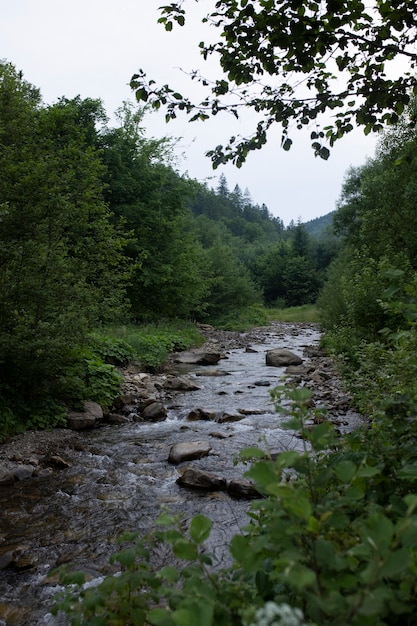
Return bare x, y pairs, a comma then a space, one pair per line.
333, 541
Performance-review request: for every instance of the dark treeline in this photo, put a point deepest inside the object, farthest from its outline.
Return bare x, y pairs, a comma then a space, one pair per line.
98, 227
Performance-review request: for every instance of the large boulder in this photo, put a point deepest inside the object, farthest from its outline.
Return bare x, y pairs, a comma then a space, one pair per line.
281, 357
6, 477
80, 420
188, 451
154, 412
226, 417
197, 357
201, 415
242, 488
180, 383
197, 479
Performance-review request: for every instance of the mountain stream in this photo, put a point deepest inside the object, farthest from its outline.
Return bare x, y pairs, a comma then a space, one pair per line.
119, 476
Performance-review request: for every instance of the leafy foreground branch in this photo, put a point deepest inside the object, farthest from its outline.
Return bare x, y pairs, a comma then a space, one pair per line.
326, 66
333, 541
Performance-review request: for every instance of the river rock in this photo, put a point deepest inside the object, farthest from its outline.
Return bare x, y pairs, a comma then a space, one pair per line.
6, 558
212, 372
197, 357
80, 420
224, 418
299, 370
180, 383
154, 412
21, 472
56, 460
6, 477
201, 414
197, 479
188, 451
242, 488
116, 418
280, 357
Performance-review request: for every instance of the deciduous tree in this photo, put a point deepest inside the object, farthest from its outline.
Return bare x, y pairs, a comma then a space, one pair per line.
328, 65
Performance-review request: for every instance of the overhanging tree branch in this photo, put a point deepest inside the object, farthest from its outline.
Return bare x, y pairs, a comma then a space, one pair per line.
330, 59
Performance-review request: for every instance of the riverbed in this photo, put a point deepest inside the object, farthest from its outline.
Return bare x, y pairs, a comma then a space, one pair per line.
118, 476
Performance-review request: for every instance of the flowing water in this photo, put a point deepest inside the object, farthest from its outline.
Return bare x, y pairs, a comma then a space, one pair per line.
120, 478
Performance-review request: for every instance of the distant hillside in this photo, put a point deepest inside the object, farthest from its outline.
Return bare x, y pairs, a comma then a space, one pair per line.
316, 227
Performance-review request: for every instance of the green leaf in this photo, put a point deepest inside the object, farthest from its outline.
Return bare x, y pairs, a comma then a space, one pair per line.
287, 459
345, 471
160, 617
263, 474
185, 550
300, 577
408, 471
367, 471
325, 553
411, 502
200, 528
169, 573
321, 436
127, 557
379, 531
251, 453
238, 546
200, 613
164, 519
396, 563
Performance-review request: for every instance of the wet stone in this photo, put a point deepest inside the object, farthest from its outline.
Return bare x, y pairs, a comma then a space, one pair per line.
180, 383
6, 477
201, 414
197, 479
280, 357
21, 472
197, 357
188, 451
212, 372
154, 412
242, 488
224, 418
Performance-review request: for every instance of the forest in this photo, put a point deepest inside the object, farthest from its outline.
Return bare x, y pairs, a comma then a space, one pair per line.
100, 233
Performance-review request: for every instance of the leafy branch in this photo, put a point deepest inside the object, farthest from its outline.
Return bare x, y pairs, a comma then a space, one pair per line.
342, 52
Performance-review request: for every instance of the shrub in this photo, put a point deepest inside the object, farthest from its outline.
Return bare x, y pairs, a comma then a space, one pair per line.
334, 539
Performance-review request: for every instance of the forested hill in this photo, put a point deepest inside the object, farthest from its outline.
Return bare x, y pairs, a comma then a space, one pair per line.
320, 225
98, 227
236, 211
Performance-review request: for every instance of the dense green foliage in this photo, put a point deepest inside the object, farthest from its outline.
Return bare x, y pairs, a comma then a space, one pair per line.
329, 66
60, 258
335, 544
98, 227
333, 540
377, 220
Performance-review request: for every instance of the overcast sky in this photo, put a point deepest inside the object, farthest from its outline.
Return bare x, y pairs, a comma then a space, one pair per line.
91, 48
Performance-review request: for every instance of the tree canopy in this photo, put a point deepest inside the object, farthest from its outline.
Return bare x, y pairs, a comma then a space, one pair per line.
327, 65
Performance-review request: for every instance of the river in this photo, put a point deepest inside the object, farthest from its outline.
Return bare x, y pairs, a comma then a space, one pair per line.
120, 477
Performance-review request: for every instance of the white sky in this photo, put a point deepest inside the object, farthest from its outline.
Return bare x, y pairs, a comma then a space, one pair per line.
92, 48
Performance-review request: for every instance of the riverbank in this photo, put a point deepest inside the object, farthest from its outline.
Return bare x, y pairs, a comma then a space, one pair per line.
89, 486
41, 452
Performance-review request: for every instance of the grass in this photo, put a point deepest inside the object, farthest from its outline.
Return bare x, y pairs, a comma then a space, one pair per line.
304, 313
152, 343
